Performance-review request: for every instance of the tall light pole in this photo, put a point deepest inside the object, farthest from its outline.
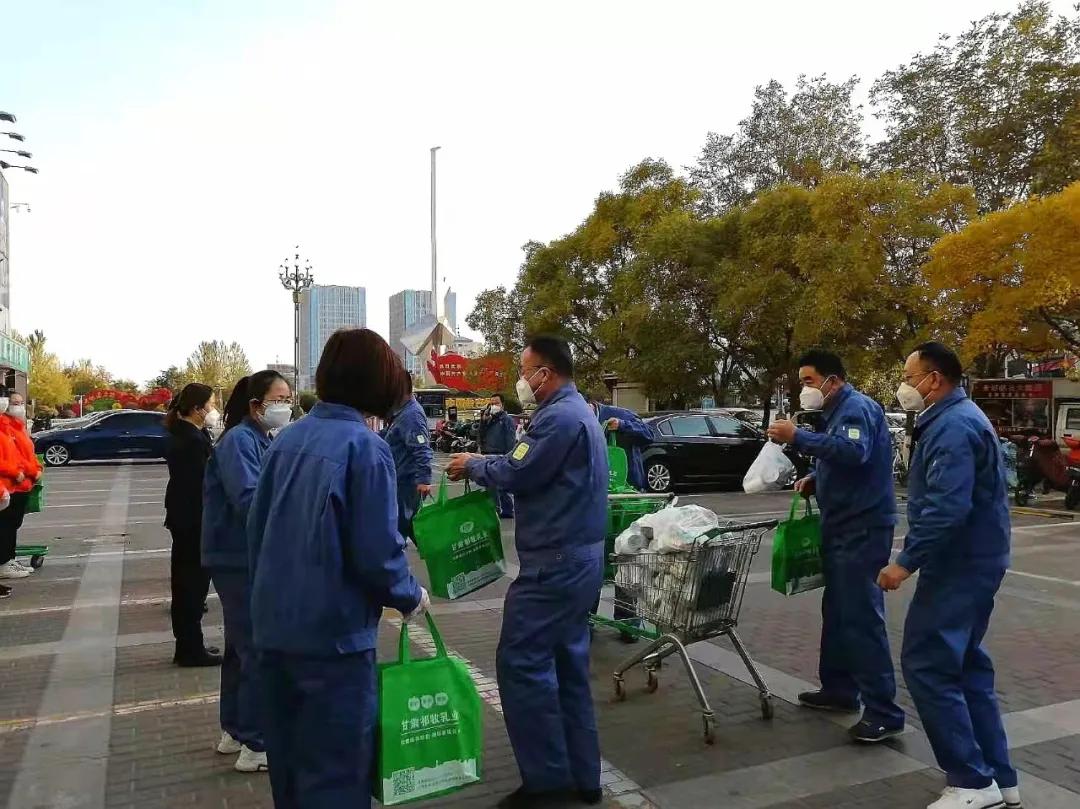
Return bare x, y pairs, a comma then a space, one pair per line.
434, 260
296, 281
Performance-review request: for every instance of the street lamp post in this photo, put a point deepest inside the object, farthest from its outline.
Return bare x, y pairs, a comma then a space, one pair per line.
30, 169
296, 281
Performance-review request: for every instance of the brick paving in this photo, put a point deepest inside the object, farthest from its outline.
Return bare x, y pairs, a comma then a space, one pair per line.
164, 719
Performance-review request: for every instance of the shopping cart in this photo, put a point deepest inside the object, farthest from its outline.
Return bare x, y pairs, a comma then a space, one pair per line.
689, 596
624, 507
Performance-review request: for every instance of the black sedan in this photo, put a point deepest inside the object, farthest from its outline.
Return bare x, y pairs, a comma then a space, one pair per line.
693, 448
120, 434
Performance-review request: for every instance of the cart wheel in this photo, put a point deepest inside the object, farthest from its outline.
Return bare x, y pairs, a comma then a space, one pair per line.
653, 682
620, 690
766, 708
710, 729
37, 560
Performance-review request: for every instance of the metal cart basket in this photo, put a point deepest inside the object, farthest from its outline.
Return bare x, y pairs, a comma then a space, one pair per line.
689, 596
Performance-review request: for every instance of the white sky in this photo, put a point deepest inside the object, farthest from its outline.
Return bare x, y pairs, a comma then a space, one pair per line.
183, 153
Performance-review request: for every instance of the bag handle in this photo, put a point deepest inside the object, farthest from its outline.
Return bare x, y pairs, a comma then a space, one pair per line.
795, 504
611, 442
403, 641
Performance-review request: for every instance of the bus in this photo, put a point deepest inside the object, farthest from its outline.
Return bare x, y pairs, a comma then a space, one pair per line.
438, 402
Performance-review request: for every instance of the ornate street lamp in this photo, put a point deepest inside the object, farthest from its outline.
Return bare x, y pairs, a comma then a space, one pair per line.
296, 281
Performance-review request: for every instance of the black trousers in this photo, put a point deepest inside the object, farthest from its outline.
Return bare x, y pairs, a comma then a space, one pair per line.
190, 583
11, 520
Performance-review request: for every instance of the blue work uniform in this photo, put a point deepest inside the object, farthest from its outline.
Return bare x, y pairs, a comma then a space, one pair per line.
958, 540
498, 438
558, 474
229, 485
410, 444
854, 484
633, 436
326, 557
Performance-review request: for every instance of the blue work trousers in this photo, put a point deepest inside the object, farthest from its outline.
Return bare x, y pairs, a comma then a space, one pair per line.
240, 707
543, 670
320, 720
951, 677
855, 658
408, 503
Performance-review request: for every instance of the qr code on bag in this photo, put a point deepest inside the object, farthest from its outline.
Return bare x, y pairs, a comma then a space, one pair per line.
457, 585
404, 782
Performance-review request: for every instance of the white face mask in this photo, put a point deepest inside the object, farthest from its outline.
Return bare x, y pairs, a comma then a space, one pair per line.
17, 412
276, 416
524, 389
496, 409
910, 398
212, 419
811, 398
4, 401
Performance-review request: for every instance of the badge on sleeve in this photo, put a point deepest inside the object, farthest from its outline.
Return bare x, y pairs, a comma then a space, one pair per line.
520, 451
421, 438
854, 433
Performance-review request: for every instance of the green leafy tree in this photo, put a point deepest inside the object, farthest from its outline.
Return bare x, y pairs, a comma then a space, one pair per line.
48, 385
996, 107
172, 378
126, 385
217, 364
85, 376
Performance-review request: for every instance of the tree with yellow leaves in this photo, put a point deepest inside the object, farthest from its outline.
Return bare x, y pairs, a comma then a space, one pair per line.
1013, 277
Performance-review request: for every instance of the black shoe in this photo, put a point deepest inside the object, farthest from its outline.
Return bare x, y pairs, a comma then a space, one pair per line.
5, 591
825, 702
871, 731
523, 799
591, 797
201, 659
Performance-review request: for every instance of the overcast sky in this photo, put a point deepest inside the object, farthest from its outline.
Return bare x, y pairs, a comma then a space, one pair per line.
185, 148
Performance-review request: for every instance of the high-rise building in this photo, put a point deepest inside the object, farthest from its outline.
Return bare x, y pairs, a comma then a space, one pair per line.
285, 369
324, 310
407, 309
450, 309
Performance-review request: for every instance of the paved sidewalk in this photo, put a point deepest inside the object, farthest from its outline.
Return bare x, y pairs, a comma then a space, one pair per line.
93, 713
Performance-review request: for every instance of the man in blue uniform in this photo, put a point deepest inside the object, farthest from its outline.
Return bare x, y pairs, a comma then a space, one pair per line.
958, 539
497, 437
558, 474
407, 435
631, 433
853, 480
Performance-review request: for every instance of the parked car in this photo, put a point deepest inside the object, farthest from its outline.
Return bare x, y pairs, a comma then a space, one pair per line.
116, 434
697, 447
79, 421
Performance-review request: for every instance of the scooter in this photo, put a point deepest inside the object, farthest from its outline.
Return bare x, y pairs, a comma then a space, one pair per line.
1072, 494
1039, 462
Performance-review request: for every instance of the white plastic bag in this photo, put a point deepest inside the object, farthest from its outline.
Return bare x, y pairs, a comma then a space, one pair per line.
631, 541
676, 527
771, 471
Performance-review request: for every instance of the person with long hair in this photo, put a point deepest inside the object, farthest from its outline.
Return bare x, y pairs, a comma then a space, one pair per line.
190, 416
326, 558
258, 404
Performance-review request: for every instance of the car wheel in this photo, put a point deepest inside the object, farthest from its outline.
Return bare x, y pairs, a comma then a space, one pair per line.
57, 455
658, 477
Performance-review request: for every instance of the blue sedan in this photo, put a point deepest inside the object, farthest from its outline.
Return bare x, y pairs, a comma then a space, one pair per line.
124, 434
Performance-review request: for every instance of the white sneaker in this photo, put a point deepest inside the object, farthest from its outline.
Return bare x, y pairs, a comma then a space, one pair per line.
957, 798
26, 566
1011, 796
13, 570
228, 745
250, 761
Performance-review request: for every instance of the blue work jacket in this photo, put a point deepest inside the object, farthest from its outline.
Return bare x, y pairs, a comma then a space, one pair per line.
958, 503
558, 474
326, 555
853, 465
229, 484
633, 436
410, 444
498, 434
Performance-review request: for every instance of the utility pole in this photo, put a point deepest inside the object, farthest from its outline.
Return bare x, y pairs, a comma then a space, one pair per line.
434, 260
296, 281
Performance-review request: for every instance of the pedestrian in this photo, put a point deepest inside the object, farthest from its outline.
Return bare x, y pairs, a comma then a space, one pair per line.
21, 471
190, 418
853, 480
631, 433
326, 558
497, 437
258, 404
958, 540
410, 446
558, 474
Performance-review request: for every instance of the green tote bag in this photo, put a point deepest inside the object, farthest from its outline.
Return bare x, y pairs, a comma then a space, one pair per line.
796, 559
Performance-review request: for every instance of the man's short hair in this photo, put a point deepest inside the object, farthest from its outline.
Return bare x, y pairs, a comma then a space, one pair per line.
942, 359
824, 362
498, 396
555, 352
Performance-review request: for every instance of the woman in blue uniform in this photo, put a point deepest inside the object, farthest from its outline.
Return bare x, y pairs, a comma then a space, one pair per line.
407, 435
259, 404
326, 558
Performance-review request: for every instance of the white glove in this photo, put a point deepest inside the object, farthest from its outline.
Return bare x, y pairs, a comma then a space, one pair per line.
421, 608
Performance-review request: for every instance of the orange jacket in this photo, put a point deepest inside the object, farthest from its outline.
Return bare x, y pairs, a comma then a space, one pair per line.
19, 456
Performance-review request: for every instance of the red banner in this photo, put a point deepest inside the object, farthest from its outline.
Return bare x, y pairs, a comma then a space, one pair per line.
1012, 389
483, 375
